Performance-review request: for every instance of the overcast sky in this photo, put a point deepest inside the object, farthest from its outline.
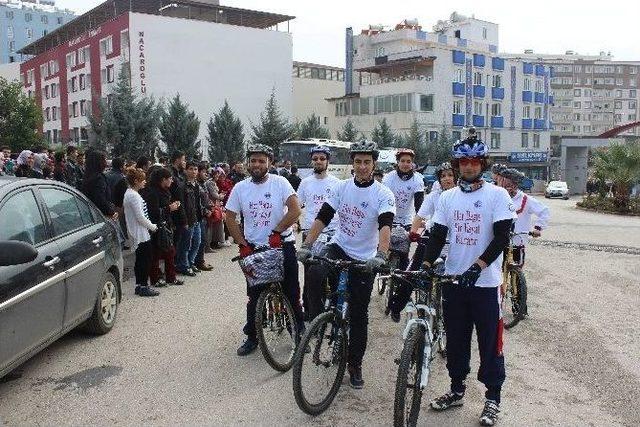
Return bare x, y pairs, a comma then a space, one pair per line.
545, 26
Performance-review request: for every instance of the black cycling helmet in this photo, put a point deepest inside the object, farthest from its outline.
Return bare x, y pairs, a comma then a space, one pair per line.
446, 166
498, 168
260, 149
513, 175
364, 147
320, 149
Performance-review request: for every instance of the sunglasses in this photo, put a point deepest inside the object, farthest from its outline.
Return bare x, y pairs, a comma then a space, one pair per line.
470, 162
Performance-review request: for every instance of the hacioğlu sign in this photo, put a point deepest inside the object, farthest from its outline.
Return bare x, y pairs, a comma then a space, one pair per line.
528, 157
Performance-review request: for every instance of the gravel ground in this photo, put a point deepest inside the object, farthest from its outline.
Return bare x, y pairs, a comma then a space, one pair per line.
171, 360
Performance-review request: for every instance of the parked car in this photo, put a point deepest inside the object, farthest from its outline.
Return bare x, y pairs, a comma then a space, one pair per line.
557, 189
60, 267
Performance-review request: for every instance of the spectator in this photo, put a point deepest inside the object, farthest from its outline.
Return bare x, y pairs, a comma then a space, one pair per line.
206, 210
224, 184
294, 179
178, 163
143, 163
139, 225
95, 184
39, 162
157, 194
286, 169
59, 167
25, 164
72, 170
237, 173
116, 174
216, 236
189, 236
164, 161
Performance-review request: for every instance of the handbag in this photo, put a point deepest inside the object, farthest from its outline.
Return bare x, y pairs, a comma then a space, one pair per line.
164, 233
216, 215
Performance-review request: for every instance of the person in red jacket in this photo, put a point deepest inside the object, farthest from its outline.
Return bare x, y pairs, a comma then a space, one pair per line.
224, 184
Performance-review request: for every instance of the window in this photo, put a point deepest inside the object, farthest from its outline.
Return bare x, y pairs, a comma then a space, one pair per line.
619, 82
12, 46
632, 105
9, 14
44, 71
20, 219
536, 140
10, 32
526, 112
83, 108
587, 92
83, 81
44, 19
379, 51
587, 105
63, 209
60, 20
537, 113
457, 107
484, 33
577, 68
477, 78
47, 114
538, 85
74, 84
364, 106
577, 104
106, 46
54, 113
29, 33
74, 108
71, 60
496, 80
426, 102
576, 92
527, 84
617, 104
459, 73
632, 93
27, 17
524, 143
110, 74
456, 135
588, 69
477, 108
495, 140
496, 110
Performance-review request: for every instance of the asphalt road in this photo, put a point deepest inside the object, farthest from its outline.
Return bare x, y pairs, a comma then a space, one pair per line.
171, 360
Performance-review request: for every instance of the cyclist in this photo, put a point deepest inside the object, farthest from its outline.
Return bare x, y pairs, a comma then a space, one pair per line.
365, 211
478, 217
408, 189
496, 170
525, 206
314, 190
269, 207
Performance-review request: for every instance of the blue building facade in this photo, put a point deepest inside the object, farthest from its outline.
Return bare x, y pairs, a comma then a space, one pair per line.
23, 22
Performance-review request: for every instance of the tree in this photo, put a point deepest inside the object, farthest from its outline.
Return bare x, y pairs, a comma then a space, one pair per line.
273, 129
349, 132
179, 130
226, 136
311, 128
383, 135
20, 117
415, 140
439, 150
619, 164
125, 125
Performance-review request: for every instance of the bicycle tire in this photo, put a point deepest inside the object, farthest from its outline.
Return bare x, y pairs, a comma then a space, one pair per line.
439, 324
518, 303
390, 285
318, 325
412, 351
290, 322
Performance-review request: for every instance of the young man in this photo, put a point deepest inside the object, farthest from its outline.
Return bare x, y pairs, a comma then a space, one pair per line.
206, 208
365, 211
294, 179
269, 207
477, 216
72, 169
237, 173
313, 192
408, 188
525, 206
189, 234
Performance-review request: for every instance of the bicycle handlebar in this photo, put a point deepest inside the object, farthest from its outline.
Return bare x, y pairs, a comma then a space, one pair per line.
339, 263
424, 274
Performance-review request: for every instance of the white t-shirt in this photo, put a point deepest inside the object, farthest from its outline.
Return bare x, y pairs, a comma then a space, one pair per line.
429, 206
262, 207
312, 193
524, 210
404, 191
358, 209
470, 218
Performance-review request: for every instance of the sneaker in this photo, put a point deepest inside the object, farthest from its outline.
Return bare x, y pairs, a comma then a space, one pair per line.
188, 272
195, 269
447, 401
176, 283
160, 283
490, 413
205, 267
247, 347
395, 316
355, 377
146, 291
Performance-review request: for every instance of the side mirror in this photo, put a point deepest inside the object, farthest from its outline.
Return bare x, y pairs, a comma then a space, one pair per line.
14, 253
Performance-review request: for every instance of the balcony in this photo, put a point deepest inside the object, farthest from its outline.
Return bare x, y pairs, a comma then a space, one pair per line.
538, 124
497, 64
462, 42
497, 122
540, 70
527, 124
478, 121
458, 89
458, 56
457, 120
478, 60
497, 92
527, 96
539, 98
479, 91
527, 68
551, 99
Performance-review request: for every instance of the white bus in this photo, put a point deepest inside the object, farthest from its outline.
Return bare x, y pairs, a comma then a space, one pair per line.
298, 153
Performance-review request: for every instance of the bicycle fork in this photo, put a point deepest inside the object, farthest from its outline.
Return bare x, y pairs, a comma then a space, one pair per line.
427, 357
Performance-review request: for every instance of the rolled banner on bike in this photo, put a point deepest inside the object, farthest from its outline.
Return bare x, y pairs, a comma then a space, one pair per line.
321, 242
400, 240
263, 267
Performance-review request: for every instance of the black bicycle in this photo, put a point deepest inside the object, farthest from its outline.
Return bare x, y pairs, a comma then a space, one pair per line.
321, 357
514, 285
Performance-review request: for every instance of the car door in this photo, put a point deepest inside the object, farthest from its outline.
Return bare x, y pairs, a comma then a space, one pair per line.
81, 241
32, 295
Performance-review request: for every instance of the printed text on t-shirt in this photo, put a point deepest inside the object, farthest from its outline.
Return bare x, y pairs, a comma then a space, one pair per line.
466, 226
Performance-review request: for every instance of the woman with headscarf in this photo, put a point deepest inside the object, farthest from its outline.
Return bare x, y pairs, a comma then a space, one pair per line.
39, 162
25, 164
95, 184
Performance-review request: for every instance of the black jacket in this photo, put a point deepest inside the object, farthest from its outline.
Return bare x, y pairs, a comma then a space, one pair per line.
295, 181
158, 201
73, 174
113, 177
97, 190
177, 194
192, 204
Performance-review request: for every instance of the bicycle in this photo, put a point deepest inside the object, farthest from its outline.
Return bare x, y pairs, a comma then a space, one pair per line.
324, 345
275, 322
398, 249
423, 336
514, 285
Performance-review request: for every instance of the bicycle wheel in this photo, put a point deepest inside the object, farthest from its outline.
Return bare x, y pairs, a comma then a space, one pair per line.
320, 363
390, 285
517, 293
440, 332
406, 408
276, 329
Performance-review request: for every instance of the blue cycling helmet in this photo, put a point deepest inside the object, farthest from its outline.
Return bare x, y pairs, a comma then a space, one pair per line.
471, 147
320, 149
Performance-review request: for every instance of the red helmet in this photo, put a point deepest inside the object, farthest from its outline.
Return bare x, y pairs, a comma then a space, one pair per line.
403, 151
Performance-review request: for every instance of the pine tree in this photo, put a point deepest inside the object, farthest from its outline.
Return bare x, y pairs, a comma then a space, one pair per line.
383, 135
415, 140
179, 130
349, 132
226, 136
439, 150
311, 128
126, 126
273, 129
20, 117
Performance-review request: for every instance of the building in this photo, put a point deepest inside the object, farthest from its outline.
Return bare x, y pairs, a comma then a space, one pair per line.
206, 52
452, 77
10, 72
312, 85
24, 21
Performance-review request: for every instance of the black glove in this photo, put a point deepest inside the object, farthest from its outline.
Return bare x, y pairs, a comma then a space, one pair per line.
470, 277
376, 262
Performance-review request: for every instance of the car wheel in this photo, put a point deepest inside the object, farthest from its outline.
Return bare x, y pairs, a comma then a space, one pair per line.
566, 197
106, 307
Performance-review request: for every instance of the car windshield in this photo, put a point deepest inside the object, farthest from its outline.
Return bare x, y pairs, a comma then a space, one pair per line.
557, 184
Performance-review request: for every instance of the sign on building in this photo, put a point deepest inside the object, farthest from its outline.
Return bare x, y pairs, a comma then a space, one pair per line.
528, 157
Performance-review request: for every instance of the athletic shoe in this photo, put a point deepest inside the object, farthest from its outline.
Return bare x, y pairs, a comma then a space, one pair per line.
247, 347
188, 272
355, 377
195, 269
160, 283
447, 401
490, 413
146, 291
205, 267
176, 283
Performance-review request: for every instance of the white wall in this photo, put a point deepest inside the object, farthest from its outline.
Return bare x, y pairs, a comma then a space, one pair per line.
309, 97
208, 63
10, 72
